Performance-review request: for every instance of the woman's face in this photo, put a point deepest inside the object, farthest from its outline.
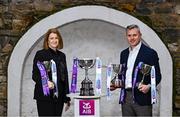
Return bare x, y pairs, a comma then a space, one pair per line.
53, 41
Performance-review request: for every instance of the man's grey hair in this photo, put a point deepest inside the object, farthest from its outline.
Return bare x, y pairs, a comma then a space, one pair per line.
132, 26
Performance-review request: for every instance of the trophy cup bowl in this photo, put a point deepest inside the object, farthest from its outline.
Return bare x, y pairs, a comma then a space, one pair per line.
145, 70
86, 85
116, 68
116, 82
86, 63
47, 65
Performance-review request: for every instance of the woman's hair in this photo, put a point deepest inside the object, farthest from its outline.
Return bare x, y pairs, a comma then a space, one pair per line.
53, 30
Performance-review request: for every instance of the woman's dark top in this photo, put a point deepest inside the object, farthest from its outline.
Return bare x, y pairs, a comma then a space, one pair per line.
62, 74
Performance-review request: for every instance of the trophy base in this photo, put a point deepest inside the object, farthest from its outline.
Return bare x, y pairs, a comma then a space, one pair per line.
86, 92
86, 89
116, 83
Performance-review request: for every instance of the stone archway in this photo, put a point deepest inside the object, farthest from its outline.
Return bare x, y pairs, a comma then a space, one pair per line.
31, 37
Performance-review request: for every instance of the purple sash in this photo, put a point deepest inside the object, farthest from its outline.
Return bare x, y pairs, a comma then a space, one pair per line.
44, 78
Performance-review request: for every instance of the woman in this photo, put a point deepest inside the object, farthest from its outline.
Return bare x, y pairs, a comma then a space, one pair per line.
50, 76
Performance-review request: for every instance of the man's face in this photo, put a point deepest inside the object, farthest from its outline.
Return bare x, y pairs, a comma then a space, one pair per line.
133, 36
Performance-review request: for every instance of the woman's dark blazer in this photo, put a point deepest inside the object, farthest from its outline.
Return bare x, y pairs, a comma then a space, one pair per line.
147, 56
62, 74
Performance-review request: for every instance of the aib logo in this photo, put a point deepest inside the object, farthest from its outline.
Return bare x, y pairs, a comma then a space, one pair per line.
86, 107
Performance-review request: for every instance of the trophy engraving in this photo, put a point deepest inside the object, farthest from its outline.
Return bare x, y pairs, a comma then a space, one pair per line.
86, 85
116, 82
145, 70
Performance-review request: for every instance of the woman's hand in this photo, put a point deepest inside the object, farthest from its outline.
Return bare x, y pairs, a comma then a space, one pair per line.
50, 85
67, 106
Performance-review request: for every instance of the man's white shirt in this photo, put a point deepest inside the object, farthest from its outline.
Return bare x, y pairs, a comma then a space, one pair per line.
130, 64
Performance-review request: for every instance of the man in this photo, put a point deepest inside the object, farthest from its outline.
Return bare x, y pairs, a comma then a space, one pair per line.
135, 96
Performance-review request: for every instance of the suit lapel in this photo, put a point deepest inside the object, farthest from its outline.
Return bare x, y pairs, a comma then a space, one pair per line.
138, 58
126, 56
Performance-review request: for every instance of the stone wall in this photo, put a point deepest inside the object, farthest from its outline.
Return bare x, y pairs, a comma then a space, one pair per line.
17, 16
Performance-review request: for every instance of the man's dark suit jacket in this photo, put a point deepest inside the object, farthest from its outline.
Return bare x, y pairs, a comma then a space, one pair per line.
147, 56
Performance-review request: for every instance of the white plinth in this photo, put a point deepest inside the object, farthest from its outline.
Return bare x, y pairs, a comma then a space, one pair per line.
86, 106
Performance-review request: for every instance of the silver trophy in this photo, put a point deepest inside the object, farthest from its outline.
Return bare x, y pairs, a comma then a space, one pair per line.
86, 85
145, 70
47, 65
116, 82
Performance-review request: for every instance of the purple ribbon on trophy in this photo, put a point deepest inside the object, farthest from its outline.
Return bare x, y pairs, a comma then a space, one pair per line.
153, 86
74, 75
108, 75
146, 69
98, 75
134, 79
44, 78
54, 77
122, 94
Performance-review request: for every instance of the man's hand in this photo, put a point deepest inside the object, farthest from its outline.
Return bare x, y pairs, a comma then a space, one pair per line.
144, 88
67, 105
112, 87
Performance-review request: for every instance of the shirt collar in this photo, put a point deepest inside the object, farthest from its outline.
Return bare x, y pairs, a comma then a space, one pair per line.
136, 48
